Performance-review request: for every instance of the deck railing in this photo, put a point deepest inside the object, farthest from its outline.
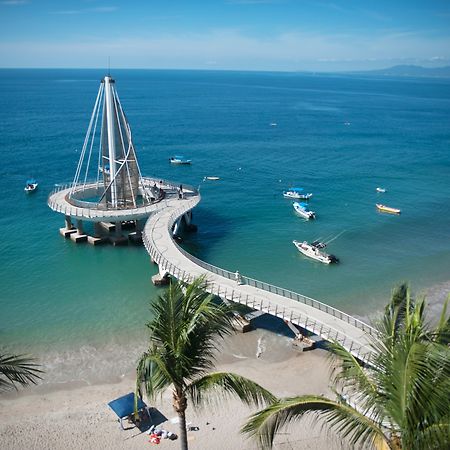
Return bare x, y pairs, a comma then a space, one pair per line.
361, 351
90, 210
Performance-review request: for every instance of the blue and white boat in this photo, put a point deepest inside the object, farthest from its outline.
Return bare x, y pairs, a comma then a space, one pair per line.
31, 186
297, 193
302, 210
179, 160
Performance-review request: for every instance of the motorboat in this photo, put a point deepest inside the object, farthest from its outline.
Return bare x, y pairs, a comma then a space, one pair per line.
302, 210
31, 185
387, 209
382, 190
212, 178
314, 251
297, 193
179, 160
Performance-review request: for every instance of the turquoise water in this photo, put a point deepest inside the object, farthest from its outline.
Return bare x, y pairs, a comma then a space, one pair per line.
57, 297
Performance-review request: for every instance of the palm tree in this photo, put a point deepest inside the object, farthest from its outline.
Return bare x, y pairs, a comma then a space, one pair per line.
399, 401
17, 369
184, 334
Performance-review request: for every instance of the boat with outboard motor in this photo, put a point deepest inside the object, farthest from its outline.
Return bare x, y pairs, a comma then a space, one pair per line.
314, 251
179, 160
31, 185
302, 210
387, 209
297, 193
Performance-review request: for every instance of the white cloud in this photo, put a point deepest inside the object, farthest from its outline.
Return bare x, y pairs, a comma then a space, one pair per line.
14, 2
230, 49
99, 9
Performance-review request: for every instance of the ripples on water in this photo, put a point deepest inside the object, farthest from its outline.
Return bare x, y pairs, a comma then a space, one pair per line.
81, 305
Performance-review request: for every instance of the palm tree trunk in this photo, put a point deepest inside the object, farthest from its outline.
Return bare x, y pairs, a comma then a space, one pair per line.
180, 405
183, 432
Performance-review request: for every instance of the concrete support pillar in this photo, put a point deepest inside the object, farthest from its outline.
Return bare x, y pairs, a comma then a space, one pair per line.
97, 229
188, 218
80, 226
140, 225
68, 220
118, 228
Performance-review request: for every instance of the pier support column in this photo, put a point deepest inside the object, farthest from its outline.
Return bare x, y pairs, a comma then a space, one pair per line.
80, 226
140, 225
68, 220
188, 218
97, 229
118, 228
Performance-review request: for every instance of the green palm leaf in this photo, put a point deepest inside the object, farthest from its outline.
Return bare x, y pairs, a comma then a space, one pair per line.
401, 399
219, 384
343, 418
18, 369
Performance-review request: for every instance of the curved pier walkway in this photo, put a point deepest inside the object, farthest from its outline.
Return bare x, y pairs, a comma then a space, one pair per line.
312, 315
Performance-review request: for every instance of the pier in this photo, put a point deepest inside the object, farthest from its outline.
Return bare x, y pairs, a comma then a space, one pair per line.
320, 319
120, 197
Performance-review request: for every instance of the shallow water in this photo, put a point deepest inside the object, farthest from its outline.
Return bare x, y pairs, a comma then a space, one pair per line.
78, 304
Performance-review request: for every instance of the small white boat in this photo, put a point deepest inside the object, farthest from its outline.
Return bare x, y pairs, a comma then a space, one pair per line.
179, 160
296, 193
31, 185
314, 251
273, 124
387, 209
379, 189
212, 178
302, 210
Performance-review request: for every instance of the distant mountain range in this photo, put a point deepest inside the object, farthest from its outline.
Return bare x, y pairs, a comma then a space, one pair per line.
411, 71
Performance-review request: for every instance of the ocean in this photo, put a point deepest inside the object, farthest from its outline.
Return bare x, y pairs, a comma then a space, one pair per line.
83, 310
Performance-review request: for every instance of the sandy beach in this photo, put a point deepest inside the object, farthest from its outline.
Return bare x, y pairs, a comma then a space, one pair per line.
75, 414
78, 417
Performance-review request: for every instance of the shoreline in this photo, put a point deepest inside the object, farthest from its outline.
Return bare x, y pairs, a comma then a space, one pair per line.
97, 363
82, 418
78, 408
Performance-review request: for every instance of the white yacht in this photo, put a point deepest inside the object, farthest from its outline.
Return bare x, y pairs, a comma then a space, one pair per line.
302, 210
314, 251
296, 193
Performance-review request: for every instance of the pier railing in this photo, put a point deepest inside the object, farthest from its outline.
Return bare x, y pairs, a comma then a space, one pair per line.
91, 211
359, 350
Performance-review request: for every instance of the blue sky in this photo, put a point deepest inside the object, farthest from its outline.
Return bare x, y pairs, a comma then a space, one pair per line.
225, 34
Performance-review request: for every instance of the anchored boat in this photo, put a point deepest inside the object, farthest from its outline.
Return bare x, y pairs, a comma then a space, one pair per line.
380, 189
31, 186
314, 251
387, 209
297, 193
302, 210
179, 160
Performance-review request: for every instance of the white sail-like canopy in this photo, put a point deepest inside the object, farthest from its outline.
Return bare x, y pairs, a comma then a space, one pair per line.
116, 167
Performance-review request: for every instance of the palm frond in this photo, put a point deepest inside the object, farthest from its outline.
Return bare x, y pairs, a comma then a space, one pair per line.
442, 332
219, 384
18, 369
434, 437
354, 382
346, 420
152, 373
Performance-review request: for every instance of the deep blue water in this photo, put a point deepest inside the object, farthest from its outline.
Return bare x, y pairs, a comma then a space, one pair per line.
55, 295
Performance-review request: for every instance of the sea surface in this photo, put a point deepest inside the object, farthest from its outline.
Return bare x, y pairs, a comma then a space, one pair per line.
83, 309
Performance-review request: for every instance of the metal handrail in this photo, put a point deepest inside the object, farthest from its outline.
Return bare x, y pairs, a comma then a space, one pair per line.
314, 326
